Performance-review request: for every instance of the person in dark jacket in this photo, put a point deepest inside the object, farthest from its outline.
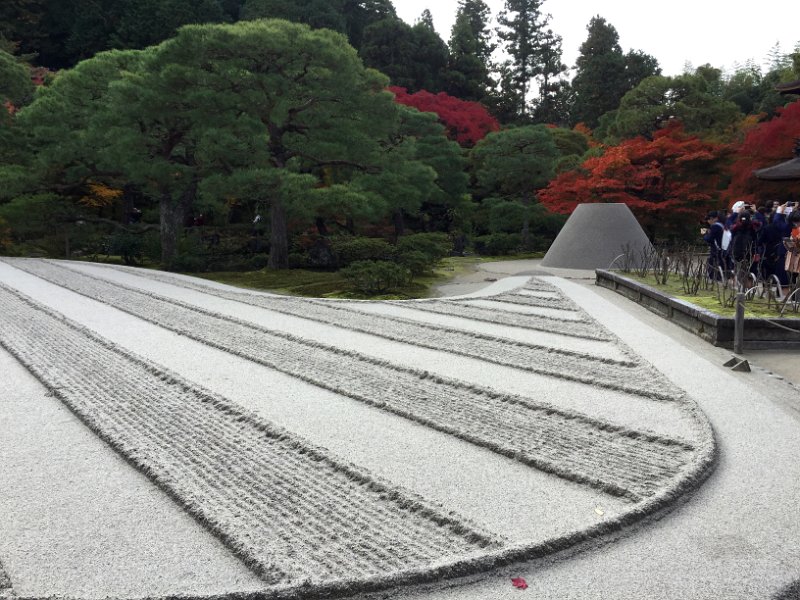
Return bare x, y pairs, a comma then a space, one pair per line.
712, 235
743, 248
773, 250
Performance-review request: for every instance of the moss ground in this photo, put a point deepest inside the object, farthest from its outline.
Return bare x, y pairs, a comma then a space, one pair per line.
707, 299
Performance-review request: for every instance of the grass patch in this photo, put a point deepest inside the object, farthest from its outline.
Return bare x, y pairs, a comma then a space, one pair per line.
707, 300
506, 257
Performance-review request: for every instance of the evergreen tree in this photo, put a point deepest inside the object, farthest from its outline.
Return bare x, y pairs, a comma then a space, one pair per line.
657, 100
521, 23
360, 14
514, 164
315, 13
430, 57
413, 57
467, 75
604, 74
549, 107
535, 52
426, 19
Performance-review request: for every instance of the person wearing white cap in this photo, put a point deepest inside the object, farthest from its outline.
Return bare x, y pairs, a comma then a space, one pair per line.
736, 209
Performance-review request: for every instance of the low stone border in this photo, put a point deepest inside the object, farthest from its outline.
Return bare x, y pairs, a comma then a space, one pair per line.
758, 333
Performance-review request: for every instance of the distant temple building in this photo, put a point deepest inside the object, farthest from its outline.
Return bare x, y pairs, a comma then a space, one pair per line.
790, 169
792, 87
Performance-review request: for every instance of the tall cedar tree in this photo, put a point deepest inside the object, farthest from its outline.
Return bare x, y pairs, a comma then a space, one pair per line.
471, 47
67, 32
765, 145
522, 25
315, 13
668, 182
413, 57
604, 74
465, 122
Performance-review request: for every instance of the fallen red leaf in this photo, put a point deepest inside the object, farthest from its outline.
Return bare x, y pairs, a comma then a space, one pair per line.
519, 582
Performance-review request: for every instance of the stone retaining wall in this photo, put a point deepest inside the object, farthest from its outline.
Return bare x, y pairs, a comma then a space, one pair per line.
758, 333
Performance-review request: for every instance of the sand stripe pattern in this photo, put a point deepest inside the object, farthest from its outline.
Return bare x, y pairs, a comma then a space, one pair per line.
537, 301
584, 328
613, 459
629, 375
290, 511
5, 585
498, 316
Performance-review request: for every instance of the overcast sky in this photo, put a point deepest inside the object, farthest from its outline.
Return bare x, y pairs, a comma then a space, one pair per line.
720, 32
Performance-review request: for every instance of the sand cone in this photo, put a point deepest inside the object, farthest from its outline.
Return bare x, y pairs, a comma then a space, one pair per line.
595, 235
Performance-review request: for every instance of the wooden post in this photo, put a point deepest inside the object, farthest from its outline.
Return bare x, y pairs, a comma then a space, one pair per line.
738, 334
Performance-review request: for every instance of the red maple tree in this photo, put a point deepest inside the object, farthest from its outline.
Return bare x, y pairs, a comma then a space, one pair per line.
765, 145
466, 122
668, 182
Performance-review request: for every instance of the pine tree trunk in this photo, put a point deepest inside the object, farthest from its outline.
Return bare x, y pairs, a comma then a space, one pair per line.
279, 237
172, 215
526, 223
399, 224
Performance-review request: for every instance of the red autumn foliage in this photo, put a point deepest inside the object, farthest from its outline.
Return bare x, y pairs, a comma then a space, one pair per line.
669, 180
466, 122
765, 145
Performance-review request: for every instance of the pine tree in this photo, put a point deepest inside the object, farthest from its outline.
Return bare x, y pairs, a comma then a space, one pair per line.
467, 74
604, 74
535, 52
426, 19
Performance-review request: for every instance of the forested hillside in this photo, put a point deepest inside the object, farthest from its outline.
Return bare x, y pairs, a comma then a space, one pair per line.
241, 134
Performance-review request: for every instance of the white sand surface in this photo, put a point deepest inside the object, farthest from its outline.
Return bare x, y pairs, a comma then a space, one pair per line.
735, 538
617, 407
563, 315
505, 496
520, 503
77, 520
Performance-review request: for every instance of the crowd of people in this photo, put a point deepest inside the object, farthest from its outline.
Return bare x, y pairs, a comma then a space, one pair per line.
763, 240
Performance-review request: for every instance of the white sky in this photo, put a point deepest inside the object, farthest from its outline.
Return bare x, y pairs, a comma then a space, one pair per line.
720, 32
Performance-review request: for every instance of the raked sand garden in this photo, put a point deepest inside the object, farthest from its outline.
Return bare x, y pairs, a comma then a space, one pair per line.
164, 436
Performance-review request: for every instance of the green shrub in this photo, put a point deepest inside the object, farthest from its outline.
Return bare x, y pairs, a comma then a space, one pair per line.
188, 263
498, 244
353, 249
376, 277
297, 260
128, 246
258, 262
434, 245
415, 261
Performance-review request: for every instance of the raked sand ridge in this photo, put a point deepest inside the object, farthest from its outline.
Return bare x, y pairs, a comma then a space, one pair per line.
328, 447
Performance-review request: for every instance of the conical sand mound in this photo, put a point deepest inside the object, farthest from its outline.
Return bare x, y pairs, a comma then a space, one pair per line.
594, 236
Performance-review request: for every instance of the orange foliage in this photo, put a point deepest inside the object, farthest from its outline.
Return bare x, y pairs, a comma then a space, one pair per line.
585, 130
100, 195
670, 179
